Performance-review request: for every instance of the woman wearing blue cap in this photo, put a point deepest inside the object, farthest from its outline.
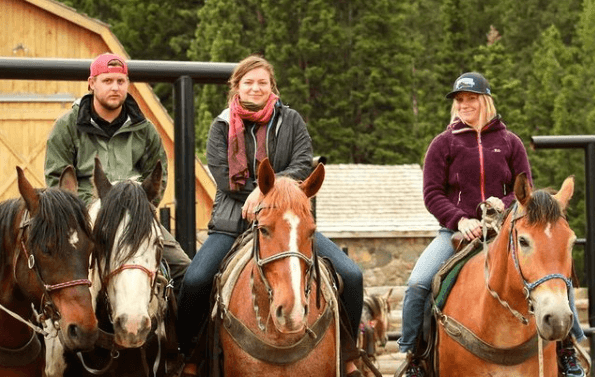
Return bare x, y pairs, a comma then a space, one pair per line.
476, 159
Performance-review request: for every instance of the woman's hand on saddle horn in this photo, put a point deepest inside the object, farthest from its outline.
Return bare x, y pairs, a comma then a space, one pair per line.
249, 207
470, 228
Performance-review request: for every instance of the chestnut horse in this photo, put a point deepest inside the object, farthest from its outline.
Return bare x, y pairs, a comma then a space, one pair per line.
128, 287
282, 315
511, 304
44, 260
373, 328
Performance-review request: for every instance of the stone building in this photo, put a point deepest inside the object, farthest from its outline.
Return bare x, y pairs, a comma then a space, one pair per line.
377, 215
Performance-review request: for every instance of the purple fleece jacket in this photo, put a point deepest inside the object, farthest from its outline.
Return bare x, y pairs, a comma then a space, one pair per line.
463, 167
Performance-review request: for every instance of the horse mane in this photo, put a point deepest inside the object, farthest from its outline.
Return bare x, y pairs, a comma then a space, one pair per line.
543, 208
8, 211
287, 194
59, 212
124, 197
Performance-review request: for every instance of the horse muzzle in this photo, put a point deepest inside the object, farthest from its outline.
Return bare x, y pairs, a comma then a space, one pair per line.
553, 315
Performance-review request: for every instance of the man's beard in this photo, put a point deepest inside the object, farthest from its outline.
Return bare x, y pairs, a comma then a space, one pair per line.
110, 105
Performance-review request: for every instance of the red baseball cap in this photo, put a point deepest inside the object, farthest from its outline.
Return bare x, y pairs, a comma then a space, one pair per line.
100, 65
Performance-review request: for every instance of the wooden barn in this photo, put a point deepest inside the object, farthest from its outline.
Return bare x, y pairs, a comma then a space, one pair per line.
28, 109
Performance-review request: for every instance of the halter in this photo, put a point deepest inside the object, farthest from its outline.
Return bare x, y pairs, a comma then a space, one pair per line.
312, 263
527, 287
48, 308
151, 274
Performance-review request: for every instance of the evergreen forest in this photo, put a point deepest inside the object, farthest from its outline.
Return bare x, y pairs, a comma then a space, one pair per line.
369, 77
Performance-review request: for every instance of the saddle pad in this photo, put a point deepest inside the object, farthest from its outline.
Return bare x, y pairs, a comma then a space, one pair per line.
449, 273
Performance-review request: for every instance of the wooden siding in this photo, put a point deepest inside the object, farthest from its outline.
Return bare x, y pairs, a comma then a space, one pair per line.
28, 108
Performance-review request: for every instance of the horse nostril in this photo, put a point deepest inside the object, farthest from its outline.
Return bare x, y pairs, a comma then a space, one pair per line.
73, 331
279, 311
547, 319
120, 321
145, 323
306, 308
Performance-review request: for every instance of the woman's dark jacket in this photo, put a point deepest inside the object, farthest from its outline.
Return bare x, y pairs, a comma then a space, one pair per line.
289, 148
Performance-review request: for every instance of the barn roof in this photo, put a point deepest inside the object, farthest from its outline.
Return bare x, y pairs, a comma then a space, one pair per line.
359, 200
49, 29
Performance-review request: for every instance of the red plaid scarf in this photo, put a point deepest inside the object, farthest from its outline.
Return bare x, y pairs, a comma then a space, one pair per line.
236, 151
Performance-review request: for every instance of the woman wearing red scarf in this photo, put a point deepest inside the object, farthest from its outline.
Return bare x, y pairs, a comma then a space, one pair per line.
256, 125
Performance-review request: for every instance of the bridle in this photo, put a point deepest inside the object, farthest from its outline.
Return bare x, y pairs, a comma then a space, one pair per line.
527, 286
311, 263
48, 308
106, 339
151, 274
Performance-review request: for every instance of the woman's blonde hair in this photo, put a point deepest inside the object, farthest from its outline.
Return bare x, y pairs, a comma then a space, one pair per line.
245, 66
487, 110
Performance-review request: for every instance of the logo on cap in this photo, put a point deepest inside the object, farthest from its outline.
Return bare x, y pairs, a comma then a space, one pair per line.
465, 82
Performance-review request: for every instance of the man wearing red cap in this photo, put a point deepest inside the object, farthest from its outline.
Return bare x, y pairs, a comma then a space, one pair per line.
108, 123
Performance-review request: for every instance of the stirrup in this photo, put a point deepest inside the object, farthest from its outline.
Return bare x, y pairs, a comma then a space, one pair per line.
402, 369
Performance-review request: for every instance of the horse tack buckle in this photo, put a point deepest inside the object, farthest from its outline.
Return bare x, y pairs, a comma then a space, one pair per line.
31, 261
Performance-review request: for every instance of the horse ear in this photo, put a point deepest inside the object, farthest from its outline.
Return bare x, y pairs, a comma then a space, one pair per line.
387, 294
522, 189
565, 194
29, 194
313, 183
102, 184
152, 184
266, 176
68, 180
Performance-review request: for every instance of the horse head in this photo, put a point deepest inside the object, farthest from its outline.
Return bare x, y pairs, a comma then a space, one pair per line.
285, 255
55, 240
130, 246
541, 242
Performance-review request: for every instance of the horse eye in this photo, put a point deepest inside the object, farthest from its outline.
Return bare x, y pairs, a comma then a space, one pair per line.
524, 242
264, 231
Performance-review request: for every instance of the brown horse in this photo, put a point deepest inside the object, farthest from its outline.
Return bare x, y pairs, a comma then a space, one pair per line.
373, 326
129, 289
282, 316
505, 300
44, 260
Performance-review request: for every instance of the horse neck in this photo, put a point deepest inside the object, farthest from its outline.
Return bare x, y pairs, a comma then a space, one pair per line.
14, 333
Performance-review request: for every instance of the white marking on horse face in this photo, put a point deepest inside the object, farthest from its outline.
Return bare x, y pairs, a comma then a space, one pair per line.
130, 289
294, 263
74, 238
548, 230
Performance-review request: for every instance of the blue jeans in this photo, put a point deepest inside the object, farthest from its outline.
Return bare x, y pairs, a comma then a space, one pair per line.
193, 308
419, 287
